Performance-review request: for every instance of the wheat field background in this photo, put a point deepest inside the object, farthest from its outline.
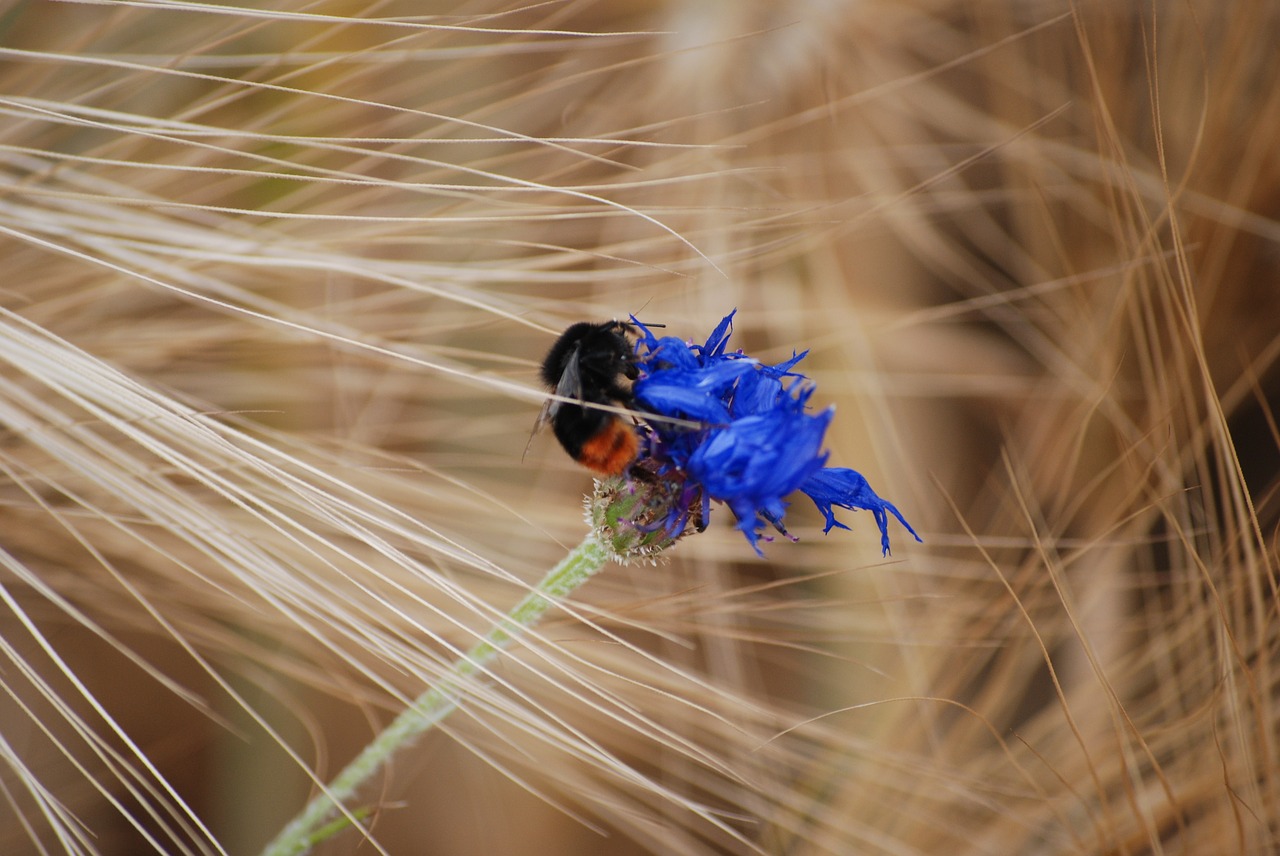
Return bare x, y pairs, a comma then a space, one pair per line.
276, 281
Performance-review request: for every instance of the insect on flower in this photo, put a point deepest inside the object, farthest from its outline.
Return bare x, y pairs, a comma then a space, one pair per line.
592, 364
713, 425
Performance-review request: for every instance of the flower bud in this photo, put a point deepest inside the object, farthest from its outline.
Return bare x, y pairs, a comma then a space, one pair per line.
640, 514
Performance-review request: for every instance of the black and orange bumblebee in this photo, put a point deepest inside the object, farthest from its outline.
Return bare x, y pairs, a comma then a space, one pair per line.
592, 364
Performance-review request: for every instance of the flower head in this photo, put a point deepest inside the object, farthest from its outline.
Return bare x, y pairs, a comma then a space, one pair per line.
729, 428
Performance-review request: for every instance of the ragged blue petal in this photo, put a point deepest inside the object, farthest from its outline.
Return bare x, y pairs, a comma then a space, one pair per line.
755, 442
849, 489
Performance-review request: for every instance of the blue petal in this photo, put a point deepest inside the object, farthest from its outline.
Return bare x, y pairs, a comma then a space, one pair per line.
669, 353
849, 489
680, 401
762, 392
757, 443
719, 337
761, 456
699, 394
757, 393
783, 369
753, 463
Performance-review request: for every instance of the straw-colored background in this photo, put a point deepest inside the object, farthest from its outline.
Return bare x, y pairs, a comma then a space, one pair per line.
275, 286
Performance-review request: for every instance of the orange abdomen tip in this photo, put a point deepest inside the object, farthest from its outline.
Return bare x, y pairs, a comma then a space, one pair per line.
612, 450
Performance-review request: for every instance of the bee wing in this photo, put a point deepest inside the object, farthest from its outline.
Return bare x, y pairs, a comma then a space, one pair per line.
570, 386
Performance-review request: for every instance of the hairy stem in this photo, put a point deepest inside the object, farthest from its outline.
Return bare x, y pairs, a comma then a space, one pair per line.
305, 830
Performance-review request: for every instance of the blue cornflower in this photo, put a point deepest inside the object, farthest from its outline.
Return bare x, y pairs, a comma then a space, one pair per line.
755, 442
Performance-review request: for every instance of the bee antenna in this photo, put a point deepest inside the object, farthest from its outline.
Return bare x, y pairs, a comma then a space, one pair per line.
641, 309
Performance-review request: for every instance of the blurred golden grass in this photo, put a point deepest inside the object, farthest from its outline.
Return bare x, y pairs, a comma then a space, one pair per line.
276, 282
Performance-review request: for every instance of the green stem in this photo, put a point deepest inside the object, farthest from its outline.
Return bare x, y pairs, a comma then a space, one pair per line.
438, 702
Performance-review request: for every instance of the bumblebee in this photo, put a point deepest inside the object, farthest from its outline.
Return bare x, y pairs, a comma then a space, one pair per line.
592, 364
